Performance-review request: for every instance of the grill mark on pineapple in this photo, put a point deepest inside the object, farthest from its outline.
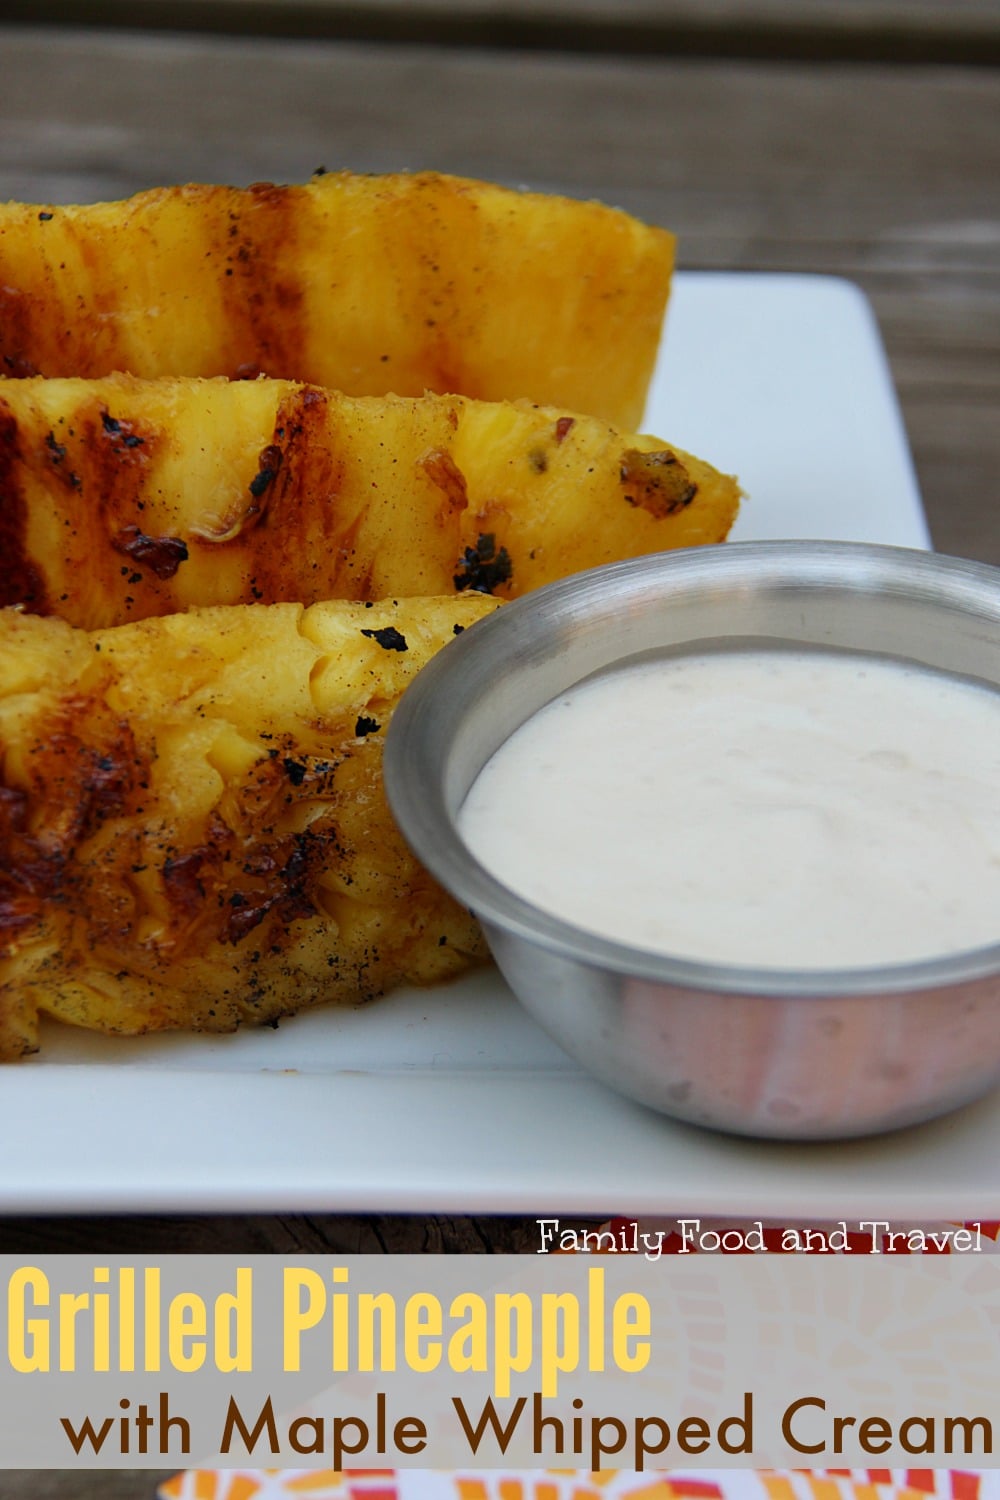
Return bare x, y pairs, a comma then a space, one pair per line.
21, 581
88, 758
112, 457
182, 880
98, 340
29, 873
286, 889
222, 890
55, 455
17, 323
68, 474
77, 784
268, 465
253, 869
263, 303
295, 516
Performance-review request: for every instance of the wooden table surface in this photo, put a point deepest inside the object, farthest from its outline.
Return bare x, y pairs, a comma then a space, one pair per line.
860, 140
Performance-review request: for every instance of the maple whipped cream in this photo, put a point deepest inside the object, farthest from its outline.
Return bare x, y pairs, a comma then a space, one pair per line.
774, 808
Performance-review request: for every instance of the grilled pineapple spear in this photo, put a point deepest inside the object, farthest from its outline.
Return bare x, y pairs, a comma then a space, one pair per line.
365, 284
124, 498
193, 831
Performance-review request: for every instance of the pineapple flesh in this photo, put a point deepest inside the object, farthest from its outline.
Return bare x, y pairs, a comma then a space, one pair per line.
193, 828
365, 284
122, 498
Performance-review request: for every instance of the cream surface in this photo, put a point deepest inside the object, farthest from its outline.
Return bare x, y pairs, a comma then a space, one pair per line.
776, 808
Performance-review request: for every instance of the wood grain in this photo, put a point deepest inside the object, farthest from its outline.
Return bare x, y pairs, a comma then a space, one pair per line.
277, 1234
932, 31
77, 1484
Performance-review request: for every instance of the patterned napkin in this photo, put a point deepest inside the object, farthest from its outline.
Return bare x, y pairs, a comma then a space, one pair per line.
571, 1484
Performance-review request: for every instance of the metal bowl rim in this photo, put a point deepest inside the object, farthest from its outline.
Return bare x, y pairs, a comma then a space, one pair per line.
430, 700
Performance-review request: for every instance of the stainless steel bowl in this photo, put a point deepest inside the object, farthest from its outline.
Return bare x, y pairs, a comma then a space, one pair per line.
801, 1055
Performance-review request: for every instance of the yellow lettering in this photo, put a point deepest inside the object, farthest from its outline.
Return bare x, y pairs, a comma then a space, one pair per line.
70, 1305
595, 1302
630, 1328
187, 1324
234, 1325
512, 1337
340, 1304
304, 1301
151, 1280
468, 1347
560, 1337
382, 1305
126, 1318
102, 1321
27, 1338
422, 1332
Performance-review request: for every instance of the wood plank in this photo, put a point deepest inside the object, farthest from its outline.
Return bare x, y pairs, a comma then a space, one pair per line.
81, 1484
944, 15
933, 31
278, 1234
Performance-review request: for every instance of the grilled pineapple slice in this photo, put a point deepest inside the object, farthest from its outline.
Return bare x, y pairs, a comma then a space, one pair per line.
365, 284
123, 498
193, 831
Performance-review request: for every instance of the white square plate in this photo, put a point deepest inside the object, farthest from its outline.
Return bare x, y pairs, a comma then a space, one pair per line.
452, 1100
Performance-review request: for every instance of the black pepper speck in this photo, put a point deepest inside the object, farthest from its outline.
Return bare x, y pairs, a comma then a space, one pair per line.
389, 638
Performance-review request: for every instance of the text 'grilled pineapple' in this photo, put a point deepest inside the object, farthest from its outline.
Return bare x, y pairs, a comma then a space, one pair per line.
193, 829
123, 498
365, 284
